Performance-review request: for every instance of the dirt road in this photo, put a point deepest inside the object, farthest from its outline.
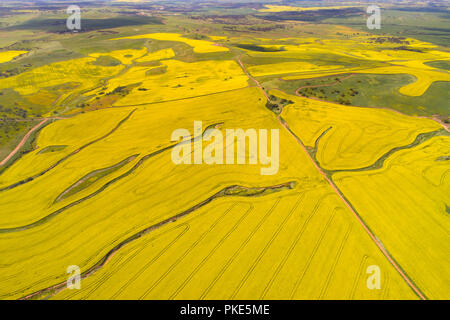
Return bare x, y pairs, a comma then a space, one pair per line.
251, 77
23, 141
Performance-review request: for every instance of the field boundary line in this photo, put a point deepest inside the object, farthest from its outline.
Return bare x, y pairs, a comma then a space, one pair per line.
312, 255
187, 252
358, 276
267, 246
291, 248
213, 250
324, 289
154, 259
238, 251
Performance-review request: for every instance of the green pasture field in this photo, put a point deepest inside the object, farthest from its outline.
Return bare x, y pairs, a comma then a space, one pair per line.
431, 26
371, 90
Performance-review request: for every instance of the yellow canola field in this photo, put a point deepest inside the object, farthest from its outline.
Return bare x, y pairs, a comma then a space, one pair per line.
406, 204
224, 249
133, 75
6, 56
142, 134
303, 51
373, 55
288, 67
200, 46
321, 73
80, 71
361, 47
72, 133
218, 38
358, 136
158, 55
295, 246
126, 56
425, 77
178, 80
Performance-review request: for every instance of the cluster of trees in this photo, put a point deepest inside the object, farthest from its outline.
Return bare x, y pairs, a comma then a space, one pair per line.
14, 111
342, 97
7, 128
276, 104
14, 71
9, 73
400, 40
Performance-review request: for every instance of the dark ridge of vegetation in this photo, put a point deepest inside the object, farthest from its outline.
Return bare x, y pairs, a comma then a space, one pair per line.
421, 138
266, 28
106, 61
405, 48
313, 151
197, 36
91, 178
123, 90
261, 191
59, 25
52, 149
423, 9
445, 30
254, 47
43, 5
399, 40
273, 107
312, 16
